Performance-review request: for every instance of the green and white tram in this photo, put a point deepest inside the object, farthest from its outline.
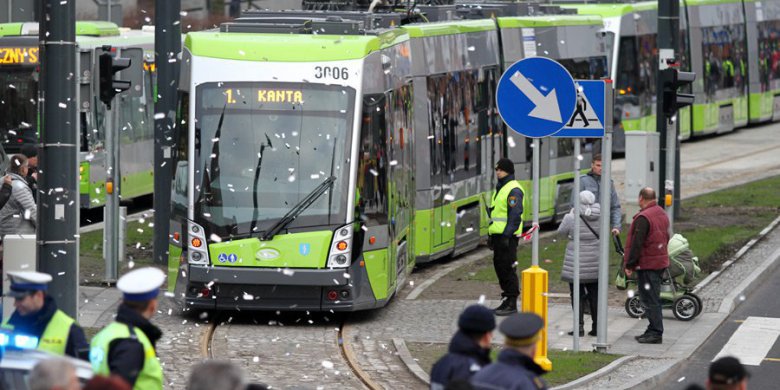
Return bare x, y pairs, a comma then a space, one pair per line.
19, 72
322, 154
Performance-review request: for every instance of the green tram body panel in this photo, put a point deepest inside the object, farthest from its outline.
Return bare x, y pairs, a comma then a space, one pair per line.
289, 247
137, 179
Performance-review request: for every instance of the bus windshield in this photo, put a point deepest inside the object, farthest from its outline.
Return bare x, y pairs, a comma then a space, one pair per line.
263, 147
18, 106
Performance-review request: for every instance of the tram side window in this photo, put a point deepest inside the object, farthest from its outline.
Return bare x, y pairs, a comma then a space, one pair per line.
769, 54
372, 168
180, 134
724, 58
627, 67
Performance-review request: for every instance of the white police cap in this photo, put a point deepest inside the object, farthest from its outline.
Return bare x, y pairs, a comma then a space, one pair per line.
25, 282
142, 284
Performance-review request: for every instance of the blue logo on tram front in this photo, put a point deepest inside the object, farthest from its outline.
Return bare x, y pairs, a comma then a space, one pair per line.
232, 258
304, 249
222, 257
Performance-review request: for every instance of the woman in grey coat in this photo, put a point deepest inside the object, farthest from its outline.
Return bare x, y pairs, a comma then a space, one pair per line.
20, 214
590, 211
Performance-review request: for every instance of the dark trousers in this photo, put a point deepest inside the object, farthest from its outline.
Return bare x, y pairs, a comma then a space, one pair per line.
504, 259
649, 285
589, 295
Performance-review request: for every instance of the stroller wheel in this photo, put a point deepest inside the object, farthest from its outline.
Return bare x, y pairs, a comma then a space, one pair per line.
686, 307
698, 300
634, 307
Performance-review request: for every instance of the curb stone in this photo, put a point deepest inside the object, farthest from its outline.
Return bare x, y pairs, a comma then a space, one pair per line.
411, 364
583, 381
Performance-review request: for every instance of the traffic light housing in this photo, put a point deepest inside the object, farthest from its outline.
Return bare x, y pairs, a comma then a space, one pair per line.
673, 79
109, 86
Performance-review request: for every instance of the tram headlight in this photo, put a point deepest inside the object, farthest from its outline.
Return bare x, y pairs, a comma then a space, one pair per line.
197, 246
341, 248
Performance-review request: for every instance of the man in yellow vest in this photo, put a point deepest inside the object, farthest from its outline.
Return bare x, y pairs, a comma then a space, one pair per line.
37, 315
506, 222
126, 347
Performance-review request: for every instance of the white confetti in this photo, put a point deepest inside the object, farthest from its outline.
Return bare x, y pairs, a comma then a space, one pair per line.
327, 364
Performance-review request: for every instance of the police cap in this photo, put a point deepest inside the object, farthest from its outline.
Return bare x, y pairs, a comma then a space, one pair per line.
24, 283
477, 319
521, 329
141, 285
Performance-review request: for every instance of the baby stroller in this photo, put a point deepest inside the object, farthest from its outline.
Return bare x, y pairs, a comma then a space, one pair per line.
676, 294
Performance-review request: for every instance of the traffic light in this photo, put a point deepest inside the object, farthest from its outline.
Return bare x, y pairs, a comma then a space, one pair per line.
109, 65
672, 80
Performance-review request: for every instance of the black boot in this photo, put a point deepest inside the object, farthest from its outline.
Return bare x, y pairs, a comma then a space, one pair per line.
508, 306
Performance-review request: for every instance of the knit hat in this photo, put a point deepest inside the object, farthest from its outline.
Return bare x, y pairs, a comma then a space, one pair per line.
477, 319
587, 199
506, 165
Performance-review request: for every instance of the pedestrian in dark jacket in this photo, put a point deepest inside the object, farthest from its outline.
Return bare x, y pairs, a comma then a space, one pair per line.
592, 182
469, 349
5, 190
648, 255
515, 368
36, 314
31, 152
590, 212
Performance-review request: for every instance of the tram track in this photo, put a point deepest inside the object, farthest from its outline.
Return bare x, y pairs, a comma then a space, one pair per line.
238, 338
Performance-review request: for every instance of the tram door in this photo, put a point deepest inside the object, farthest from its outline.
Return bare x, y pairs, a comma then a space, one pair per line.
440, 124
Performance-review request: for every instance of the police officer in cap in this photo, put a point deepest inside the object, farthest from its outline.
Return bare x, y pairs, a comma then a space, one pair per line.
126, 347
469, 349
506, 222
36, 314
515, 368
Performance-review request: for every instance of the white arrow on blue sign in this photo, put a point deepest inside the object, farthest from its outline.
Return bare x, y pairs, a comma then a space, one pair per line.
536, 97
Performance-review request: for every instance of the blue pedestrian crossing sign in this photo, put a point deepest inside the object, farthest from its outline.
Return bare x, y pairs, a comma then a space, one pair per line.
536, 97
587, 121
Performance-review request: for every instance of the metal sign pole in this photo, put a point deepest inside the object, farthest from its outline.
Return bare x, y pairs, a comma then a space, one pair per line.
535, 202
111, 231
604, 228
576, 290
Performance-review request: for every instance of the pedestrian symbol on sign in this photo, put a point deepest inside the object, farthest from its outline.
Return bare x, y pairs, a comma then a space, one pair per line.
584, 116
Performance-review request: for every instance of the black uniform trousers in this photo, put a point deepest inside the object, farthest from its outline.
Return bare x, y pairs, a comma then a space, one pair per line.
504, 259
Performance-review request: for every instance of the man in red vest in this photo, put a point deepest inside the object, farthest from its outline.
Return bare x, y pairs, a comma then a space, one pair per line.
646, 253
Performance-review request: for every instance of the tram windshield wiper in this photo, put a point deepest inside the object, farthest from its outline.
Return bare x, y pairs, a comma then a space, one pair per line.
299, 208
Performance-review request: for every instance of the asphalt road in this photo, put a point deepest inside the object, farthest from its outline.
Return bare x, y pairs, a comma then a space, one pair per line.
761, 304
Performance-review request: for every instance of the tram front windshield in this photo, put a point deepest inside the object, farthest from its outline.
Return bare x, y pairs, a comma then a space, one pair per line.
18, 106
260, 148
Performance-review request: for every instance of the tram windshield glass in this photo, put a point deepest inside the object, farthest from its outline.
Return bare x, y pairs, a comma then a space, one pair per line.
261, 148
18, 106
